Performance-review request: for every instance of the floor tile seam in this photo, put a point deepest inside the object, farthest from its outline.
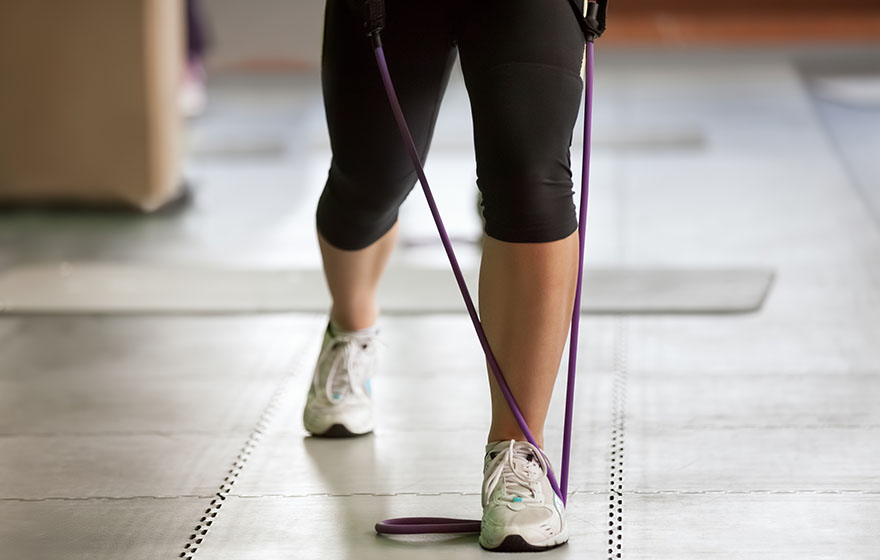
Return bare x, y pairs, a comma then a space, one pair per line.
751, 492
675, 492
294, 362
551, 429
660, 375
643, 426
387, 494
352, 495
105, 498
774, 374
124, 433
477, 374
244, 375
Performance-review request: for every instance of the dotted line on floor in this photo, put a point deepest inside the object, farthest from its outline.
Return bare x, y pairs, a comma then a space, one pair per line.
618, 425
201, 530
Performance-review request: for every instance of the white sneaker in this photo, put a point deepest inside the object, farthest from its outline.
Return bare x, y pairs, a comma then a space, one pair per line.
521, 512
339, 403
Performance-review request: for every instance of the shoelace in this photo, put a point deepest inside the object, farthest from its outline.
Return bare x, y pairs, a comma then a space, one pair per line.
345, 371
518, 467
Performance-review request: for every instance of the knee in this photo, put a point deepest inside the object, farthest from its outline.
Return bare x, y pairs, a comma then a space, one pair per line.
356, 209
522, 143
528, 200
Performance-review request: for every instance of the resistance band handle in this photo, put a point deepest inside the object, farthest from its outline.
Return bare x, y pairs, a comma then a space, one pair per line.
593, 24
373, 13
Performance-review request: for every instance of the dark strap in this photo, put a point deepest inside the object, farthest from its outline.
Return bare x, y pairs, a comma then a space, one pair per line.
593, 25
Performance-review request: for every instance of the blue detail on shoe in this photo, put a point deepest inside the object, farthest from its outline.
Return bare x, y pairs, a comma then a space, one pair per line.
369, 387
517, 499
336, 396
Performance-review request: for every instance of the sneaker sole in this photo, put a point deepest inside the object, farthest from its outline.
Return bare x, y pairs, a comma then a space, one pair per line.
515, 543
340, 431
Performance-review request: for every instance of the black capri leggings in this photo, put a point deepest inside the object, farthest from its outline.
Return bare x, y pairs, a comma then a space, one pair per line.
521, 61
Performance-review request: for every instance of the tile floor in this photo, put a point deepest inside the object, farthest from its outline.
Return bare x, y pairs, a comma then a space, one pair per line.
729, 436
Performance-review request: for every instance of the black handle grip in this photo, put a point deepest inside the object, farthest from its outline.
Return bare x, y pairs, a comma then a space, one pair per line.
373, 12
593, 24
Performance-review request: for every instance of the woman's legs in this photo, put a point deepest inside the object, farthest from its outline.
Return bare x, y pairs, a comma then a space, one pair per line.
526, 298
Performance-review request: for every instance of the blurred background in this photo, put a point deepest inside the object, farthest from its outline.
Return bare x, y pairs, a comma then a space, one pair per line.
162, 301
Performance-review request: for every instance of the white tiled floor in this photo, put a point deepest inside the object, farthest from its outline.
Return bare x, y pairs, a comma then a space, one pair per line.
96, 528
734, 436
742, 526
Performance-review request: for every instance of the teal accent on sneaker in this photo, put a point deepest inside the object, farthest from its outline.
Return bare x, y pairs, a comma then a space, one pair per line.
517, 499
336, 396
369, 387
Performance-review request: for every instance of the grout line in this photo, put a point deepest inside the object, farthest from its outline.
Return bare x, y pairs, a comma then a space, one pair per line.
125, 433
750, 492
103, 498
387, 494
576, 493
670, 492
654, 374
697, 427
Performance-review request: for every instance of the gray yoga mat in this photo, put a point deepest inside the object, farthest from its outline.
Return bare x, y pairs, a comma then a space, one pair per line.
113, 288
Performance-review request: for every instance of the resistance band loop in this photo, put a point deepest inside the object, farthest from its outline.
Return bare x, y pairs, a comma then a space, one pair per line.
374, 22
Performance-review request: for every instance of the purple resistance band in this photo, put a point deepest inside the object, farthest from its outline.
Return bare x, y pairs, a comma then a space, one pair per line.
419, 525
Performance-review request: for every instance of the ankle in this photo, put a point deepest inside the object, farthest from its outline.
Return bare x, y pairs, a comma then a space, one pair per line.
336, 329
354, 321
514, 434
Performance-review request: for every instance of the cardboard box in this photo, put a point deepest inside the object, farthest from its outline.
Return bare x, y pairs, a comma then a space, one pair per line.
89, 101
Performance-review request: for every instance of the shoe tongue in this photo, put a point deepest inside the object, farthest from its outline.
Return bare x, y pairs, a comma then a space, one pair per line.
528, 457
522, 452
522, 448
528, 460
525, 453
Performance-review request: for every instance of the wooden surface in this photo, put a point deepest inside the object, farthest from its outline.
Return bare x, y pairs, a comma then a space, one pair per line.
669, 28
693, 6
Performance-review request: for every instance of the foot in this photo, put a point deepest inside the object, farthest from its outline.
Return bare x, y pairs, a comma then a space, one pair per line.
340, 403
521, 512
